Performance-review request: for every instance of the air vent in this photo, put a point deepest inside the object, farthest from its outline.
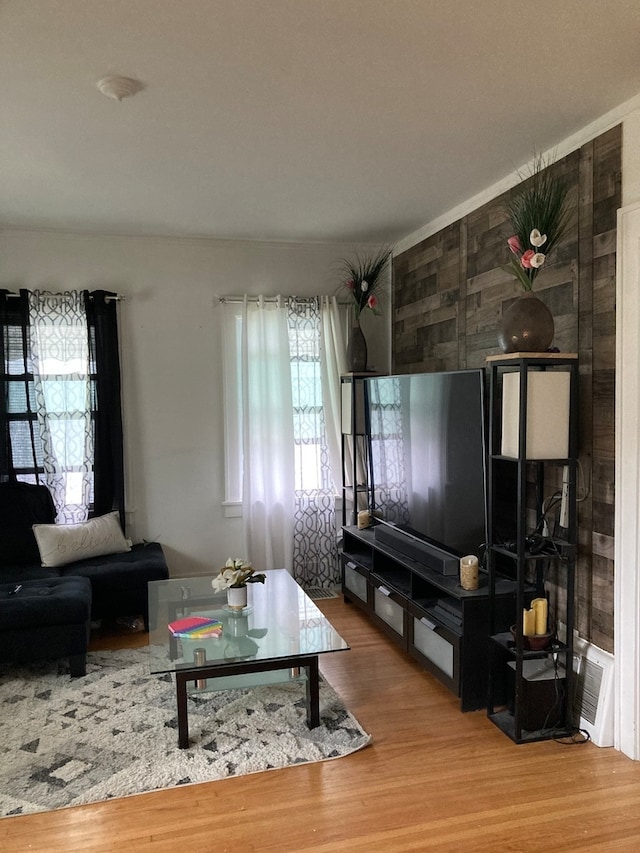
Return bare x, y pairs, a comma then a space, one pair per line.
593, 700
316, 593
589, 683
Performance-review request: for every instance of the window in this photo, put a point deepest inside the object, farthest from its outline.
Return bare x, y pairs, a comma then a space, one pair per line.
312, 470
21, 425
277, 393
60, 414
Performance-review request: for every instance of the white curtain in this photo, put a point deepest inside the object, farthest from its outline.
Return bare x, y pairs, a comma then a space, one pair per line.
333, 363
335, 322
61, 368
267, 436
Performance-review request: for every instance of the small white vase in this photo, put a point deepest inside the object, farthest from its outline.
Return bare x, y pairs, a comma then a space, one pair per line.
237, 597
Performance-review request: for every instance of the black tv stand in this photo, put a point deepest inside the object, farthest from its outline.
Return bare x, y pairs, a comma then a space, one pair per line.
428, 614
424, 553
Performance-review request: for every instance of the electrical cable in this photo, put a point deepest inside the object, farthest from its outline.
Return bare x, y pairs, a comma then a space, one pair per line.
559, 699
565, 735
586, 489
551, 501
573, 740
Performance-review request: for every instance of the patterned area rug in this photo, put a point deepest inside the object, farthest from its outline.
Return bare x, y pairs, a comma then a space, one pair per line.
65, 742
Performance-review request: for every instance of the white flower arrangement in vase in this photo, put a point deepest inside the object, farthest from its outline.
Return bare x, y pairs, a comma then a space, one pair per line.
234, 577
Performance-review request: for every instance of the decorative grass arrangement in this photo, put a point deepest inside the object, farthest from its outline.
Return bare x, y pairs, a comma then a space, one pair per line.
539, 218
362, 278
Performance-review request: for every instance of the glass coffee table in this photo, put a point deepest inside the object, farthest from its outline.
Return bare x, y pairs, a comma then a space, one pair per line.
280, 633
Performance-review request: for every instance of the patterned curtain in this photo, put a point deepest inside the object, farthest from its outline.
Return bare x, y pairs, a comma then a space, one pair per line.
61, 377
315, 547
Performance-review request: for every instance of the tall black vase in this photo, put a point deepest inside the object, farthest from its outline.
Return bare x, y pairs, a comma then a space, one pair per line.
357, 350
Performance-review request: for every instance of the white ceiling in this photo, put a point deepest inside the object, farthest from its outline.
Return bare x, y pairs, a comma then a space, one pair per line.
292, 119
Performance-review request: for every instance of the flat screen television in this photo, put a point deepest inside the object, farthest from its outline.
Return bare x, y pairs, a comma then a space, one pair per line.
428, 458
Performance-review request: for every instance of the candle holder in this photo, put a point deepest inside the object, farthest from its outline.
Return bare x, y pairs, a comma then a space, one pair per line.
534, 642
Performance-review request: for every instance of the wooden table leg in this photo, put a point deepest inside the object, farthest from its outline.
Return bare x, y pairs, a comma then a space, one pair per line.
313, 694
183, 720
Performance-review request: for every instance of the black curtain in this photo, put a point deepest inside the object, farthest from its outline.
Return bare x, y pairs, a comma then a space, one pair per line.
108, 444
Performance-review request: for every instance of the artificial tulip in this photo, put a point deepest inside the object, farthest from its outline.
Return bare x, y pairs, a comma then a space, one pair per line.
514, 244
537, 239
525, 260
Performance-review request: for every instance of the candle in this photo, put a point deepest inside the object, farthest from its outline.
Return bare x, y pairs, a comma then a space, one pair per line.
529, 622
364, 519
540, 607
469, 572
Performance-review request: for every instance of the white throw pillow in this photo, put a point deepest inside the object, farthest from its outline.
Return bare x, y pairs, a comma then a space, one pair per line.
61, 544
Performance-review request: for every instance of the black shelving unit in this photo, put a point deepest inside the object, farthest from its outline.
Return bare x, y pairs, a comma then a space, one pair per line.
529, 694
356, 464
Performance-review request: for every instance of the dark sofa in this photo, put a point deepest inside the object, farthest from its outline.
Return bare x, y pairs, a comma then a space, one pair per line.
46, 619
118, 582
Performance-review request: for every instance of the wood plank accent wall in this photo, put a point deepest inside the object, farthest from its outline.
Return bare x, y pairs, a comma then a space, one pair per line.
448, 296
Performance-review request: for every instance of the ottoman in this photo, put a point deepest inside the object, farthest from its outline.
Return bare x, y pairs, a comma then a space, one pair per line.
47, 618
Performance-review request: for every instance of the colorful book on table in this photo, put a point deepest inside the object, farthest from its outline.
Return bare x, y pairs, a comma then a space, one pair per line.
195, 628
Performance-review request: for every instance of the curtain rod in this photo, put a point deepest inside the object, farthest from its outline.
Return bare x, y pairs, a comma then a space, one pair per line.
233, 300
116, 298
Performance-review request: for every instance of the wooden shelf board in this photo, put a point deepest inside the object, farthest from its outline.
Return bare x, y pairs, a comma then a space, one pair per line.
508, 356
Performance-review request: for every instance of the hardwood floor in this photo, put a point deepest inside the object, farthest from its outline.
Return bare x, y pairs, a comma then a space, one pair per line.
433, 779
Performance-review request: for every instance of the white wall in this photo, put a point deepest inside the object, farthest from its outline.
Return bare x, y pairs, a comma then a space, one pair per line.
631, 158
171, 361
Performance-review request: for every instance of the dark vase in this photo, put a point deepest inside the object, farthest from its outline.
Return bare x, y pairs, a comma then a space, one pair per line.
527, 326
357, 350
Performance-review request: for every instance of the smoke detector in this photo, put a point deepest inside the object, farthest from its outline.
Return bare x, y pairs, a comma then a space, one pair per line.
119, 87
